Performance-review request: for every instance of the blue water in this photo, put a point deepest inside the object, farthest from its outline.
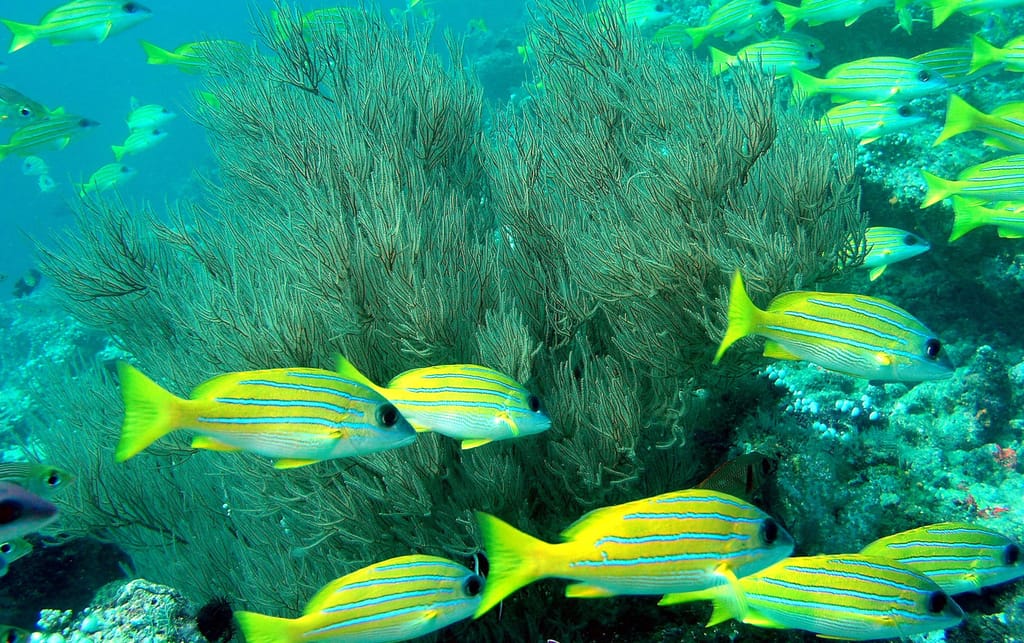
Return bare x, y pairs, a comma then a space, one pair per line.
98, 81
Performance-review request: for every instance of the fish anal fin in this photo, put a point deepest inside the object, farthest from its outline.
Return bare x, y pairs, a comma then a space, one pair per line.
292, 463
212, 444
586, 590
475, 442
876, 272
1010, 233
774, 350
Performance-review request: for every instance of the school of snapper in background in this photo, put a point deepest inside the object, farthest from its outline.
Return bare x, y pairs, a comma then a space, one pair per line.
709, 543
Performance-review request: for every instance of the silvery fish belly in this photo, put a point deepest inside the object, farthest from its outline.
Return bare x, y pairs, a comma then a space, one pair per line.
300, 414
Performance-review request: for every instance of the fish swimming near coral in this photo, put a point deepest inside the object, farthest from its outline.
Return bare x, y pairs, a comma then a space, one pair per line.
847, 596
819, 12
732, 19
27, 283
742, 477
886, 246
51, 133
475, 404
17, 109
878, 78
868, 121
394, 600
33, 166
1001, 179
22, 512
78, 21
191, 57
943, 9
107, 177
37, 477
778, 56
138, 141
1010, 55
297, 416
675, 542
147, 116
1006, 216
853, 334
959, 557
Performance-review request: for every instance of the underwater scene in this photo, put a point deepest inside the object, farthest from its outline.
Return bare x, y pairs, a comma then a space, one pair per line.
559, 321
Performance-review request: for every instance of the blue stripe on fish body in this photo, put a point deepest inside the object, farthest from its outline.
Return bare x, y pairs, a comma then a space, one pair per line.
395, 614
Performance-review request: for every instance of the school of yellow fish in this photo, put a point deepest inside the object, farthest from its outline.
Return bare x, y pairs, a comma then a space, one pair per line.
708, 543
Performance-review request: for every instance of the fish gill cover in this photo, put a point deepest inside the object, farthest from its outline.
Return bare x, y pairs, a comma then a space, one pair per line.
369, 205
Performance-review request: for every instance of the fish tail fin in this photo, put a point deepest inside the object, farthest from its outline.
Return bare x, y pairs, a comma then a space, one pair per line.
513, 557
983, 53
149, 412
966, 217
697, 35
942, 10
804, 85
743, 315
938, 188
720, 61
790, 15
118, 151
22, 34
156, 55
960, 117
260, 628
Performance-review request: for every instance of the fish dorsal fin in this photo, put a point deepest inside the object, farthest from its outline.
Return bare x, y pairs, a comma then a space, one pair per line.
586, 520
774, 350
213, 386
347, 369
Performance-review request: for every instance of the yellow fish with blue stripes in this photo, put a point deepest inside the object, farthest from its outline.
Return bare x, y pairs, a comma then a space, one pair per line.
848, 596
78, 21
886, 246
1003, 127
958, 556
394, 600
1000, 179
1006, 216
37, 477
297, 416
853, 334
877, 78
676, 542
475, 404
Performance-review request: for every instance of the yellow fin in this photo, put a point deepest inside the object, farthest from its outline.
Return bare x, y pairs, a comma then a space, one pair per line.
345, 368
1008, 233
212, 444
292, 463
22, 34
743, 316
516, 559
586, 590
876, 272
475, 442
150, 412
260, 628
773, 350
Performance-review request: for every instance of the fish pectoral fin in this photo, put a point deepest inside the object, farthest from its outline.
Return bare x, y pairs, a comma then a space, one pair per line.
774, 350
586, 590
105, 30
883, 359
876, 272
506, 419
212, 444
475, 442
292, 463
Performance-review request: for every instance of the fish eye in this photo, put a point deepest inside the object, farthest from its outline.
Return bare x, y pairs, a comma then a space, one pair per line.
130, 7
910, 240
53, 479
473, 585
924, 75
6, 548
932, 348
84, 122
534, 403
904, 111
10, 510
937, 602
769, 531
1011, 555
387, 415
25, 111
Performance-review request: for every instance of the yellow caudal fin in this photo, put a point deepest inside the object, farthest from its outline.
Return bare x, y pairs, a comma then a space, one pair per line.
260, 628
938, 189
942, 10
743, 316
804, 85
22, 34
966, 217
697, 35
960, 117
515, 559
157, 55
150, 412
118, 151
983, 53
790, 15
720, 61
